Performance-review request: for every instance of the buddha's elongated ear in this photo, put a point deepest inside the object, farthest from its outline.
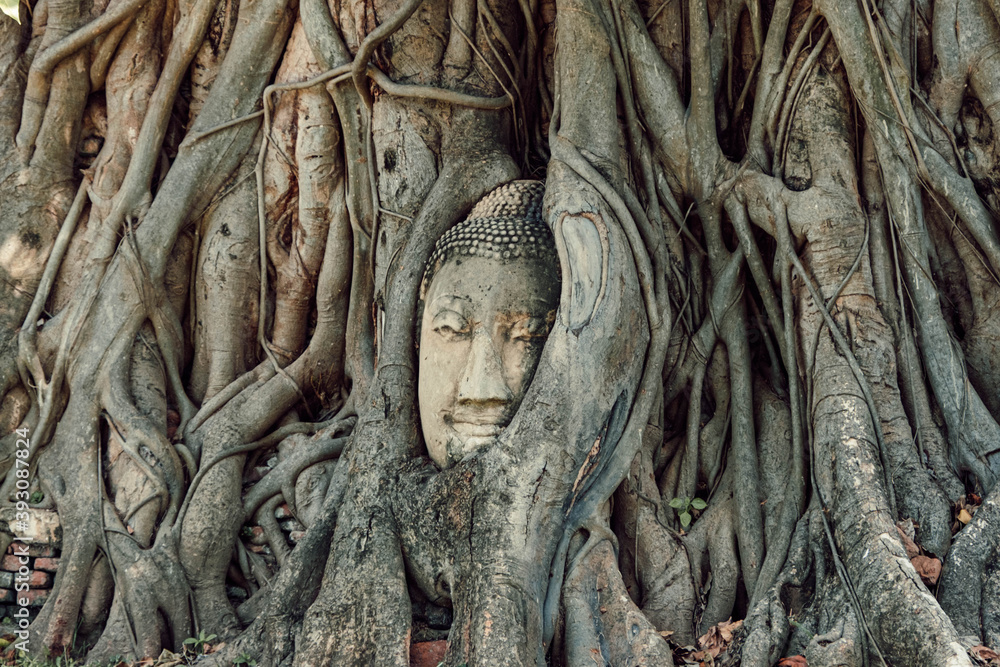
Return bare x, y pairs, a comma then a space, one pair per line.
582, 243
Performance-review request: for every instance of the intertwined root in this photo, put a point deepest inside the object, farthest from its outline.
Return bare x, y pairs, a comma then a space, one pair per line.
200, 260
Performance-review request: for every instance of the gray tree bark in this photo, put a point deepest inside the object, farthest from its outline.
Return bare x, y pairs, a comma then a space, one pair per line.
770, 392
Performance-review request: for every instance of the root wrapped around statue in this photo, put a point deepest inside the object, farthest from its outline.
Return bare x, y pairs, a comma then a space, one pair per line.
536, 333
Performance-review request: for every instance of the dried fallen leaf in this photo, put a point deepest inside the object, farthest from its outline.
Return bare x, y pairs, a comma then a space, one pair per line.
793, 661
729, 629
716, 640
686, 655
169, 659
985, 655
929, 569
964, 516
705, 658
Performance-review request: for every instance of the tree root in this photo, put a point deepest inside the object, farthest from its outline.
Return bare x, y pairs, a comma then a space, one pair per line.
284, 474
385, 134
969, 571
603, 625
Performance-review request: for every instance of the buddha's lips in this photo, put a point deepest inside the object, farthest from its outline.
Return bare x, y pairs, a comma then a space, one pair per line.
470, 430
487, 423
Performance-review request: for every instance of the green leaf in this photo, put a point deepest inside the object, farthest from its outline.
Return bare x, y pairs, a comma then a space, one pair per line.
10, 8
685, 519
699, 504
678, 503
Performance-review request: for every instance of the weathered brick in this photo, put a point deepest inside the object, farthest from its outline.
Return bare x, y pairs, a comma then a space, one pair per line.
283, 512
427, 654
36, 597
296, 535
47, 564
42, 550
173, 421
6, 580
12, 563
6, 595
39, 579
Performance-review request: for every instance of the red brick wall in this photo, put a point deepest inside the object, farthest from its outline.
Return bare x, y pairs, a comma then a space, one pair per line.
43, 562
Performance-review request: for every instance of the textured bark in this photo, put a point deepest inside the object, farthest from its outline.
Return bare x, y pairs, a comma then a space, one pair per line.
770, 388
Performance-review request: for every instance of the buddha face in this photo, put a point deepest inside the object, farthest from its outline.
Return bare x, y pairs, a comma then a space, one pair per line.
482, 332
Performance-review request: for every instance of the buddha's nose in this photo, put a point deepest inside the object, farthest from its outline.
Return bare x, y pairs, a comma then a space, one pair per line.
482, 381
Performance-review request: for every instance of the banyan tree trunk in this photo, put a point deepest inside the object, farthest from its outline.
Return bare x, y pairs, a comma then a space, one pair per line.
770, 392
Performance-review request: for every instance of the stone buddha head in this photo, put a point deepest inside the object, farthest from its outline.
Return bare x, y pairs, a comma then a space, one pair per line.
489, 296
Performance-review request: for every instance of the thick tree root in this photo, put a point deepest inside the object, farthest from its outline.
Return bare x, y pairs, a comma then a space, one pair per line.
155, 243
603, 625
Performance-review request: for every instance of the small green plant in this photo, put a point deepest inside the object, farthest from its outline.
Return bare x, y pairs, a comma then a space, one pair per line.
36, 498
25, 660
684, 507
198, 643
245, 659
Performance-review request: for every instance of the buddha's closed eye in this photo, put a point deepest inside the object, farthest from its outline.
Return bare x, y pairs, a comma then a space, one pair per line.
528, 329
450, 325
